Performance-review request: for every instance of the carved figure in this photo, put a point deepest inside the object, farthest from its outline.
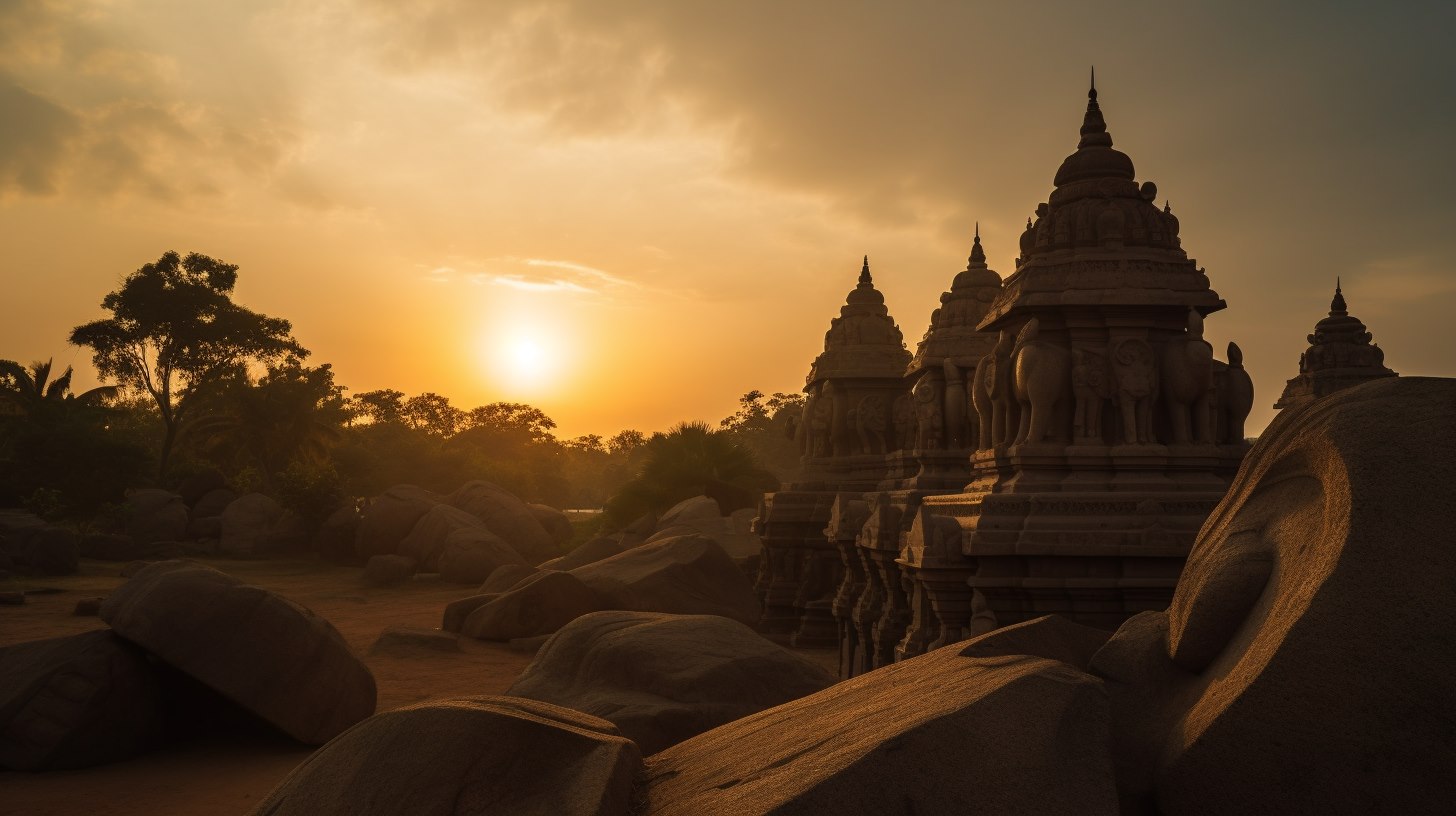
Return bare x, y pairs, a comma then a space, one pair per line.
903, 415
929, 423
1042, 377
1137, 384
819, 425
1238, 397
1188, 383
839, 440
980, 386
1091, 385
804, 432
955, 406
999, 387
869, 424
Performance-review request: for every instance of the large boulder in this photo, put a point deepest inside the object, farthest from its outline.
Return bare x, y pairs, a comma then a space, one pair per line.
663, 678
261, 650
390, 517
555, 523
588, 553
470, 556
334, 539
28, 541
464, 756
426, 539
538, 605
939, 733
471, 546
508, 517
255, 525
503, 578
205, 517
686, 575
702, 515
196, 486
76, 701
1308, 660
155, 515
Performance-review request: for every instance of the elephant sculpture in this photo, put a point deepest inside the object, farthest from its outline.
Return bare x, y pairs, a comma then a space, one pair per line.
869, 423
1137, 385
980, 385
1238, 397
999, 386
1042, 377
929, 422
903, 417
1091, 387
1188, 384
955, 406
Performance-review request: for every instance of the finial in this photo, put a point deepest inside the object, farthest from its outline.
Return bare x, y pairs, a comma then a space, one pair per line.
978, 255
1092, 89
864, 273
1337, 306
1094, 127
1167, 207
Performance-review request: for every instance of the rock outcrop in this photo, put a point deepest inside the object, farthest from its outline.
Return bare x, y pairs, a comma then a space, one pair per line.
664, 678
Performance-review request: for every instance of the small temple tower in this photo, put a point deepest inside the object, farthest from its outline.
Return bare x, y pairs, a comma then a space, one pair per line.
1112, 425
1340, 355
852, 418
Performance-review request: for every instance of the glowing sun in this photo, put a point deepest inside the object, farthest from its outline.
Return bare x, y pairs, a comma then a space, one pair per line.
525, 361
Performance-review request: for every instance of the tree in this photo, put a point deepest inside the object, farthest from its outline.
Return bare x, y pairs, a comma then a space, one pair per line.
433, 414
764, 425
174, 331
385, 405
30, 391
690, 460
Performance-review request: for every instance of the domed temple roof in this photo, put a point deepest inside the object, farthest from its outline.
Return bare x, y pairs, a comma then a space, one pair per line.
952, 333
864, 340
1340, 354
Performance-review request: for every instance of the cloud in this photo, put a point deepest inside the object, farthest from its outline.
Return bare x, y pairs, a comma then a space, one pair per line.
530, 275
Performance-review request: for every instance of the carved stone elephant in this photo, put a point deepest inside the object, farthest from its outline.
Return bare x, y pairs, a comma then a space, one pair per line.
981, 400
955, 406
1188, 383
1238, 397
1043, 379
1001, 389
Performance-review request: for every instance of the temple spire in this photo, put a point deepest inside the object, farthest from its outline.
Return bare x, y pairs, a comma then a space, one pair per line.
1337, 306
978, 255
864, 273
1094, 127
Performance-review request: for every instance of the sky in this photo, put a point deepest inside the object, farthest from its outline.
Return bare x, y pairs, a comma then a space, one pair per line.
631, 213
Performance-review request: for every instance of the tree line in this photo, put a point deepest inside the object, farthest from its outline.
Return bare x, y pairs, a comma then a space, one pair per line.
204, 383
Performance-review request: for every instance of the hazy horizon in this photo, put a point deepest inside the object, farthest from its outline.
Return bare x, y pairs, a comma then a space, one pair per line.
629, 215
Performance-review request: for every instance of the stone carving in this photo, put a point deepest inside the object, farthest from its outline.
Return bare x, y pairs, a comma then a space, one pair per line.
1042, 376
904, 419
980, 386
1238, 395
1091, 387
1001, 385
1137, 383
1340, 355
929, 422
870, 421
820, 420
1188, 384
955, 406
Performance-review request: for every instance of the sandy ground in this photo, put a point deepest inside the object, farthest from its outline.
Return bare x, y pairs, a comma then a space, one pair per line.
227, 776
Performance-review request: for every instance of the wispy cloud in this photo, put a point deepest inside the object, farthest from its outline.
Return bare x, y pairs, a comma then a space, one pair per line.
529, 275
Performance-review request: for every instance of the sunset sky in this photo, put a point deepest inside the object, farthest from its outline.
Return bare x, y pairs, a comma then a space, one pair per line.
629, 214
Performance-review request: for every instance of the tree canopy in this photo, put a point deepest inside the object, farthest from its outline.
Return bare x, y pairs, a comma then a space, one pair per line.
175, 331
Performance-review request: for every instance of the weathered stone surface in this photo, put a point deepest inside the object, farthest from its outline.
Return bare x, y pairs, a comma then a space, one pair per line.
390, 517
508, 517
75, 701
388, 570
686, 575
255, 525
335, 537
262, 651
1308, 661
41, 547
426, 540
1052, 637
213, 503
663, 678
939, 733
471, 556
554, 522
505, 577
405, 642
701, 514
537, 606
467, 755
155, 515
458, 610
589, 553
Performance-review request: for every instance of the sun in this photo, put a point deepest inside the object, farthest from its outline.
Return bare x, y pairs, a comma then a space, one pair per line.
524, 361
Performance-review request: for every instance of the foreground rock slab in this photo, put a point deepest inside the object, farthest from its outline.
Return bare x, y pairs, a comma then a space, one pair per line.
686, 575
473, 755
260, 650
940, 733
76, 701
664, 678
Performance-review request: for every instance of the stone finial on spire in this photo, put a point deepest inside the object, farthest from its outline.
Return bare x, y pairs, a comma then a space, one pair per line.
978, 255
864, 273
1094, 127
1337, 306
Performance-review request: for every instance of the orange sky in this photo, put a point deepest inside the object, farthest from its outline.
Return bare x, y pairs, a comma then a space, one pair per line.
663, 203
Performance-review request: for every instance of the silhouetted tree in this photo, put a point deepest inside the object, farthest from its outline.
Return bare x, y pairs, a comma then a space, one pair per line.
689, 460
433, 414
31, 390
174, 331
385, 405
762, 424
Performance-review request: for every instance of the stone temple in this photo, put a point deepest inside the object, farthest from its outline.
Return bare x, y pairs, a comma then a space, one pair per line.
1052, 446
1340, 355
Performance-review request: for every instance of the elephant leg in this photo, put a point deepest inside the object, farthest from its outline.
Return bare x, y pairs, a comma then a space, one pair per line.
1178, 419
1023, 428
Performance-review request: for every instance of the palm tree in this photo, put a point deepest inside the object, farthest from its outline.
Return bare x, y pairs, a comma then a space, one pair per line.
690, 460
30, 391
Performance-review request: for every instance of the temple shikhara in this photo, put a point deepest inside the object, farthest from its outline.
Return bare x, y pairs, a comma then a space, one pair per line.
1052, 446
1341, 354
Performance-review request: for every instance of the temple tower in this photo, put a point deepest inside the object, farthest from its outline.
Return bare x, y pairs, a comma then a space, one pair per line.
1340, 355
1111, 421
853, 416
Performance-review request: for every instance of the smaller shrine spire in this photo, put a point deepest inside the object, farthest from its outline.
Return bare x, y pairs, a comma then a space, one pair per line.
1337, 306
1094, 127
978, 255
864, 274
